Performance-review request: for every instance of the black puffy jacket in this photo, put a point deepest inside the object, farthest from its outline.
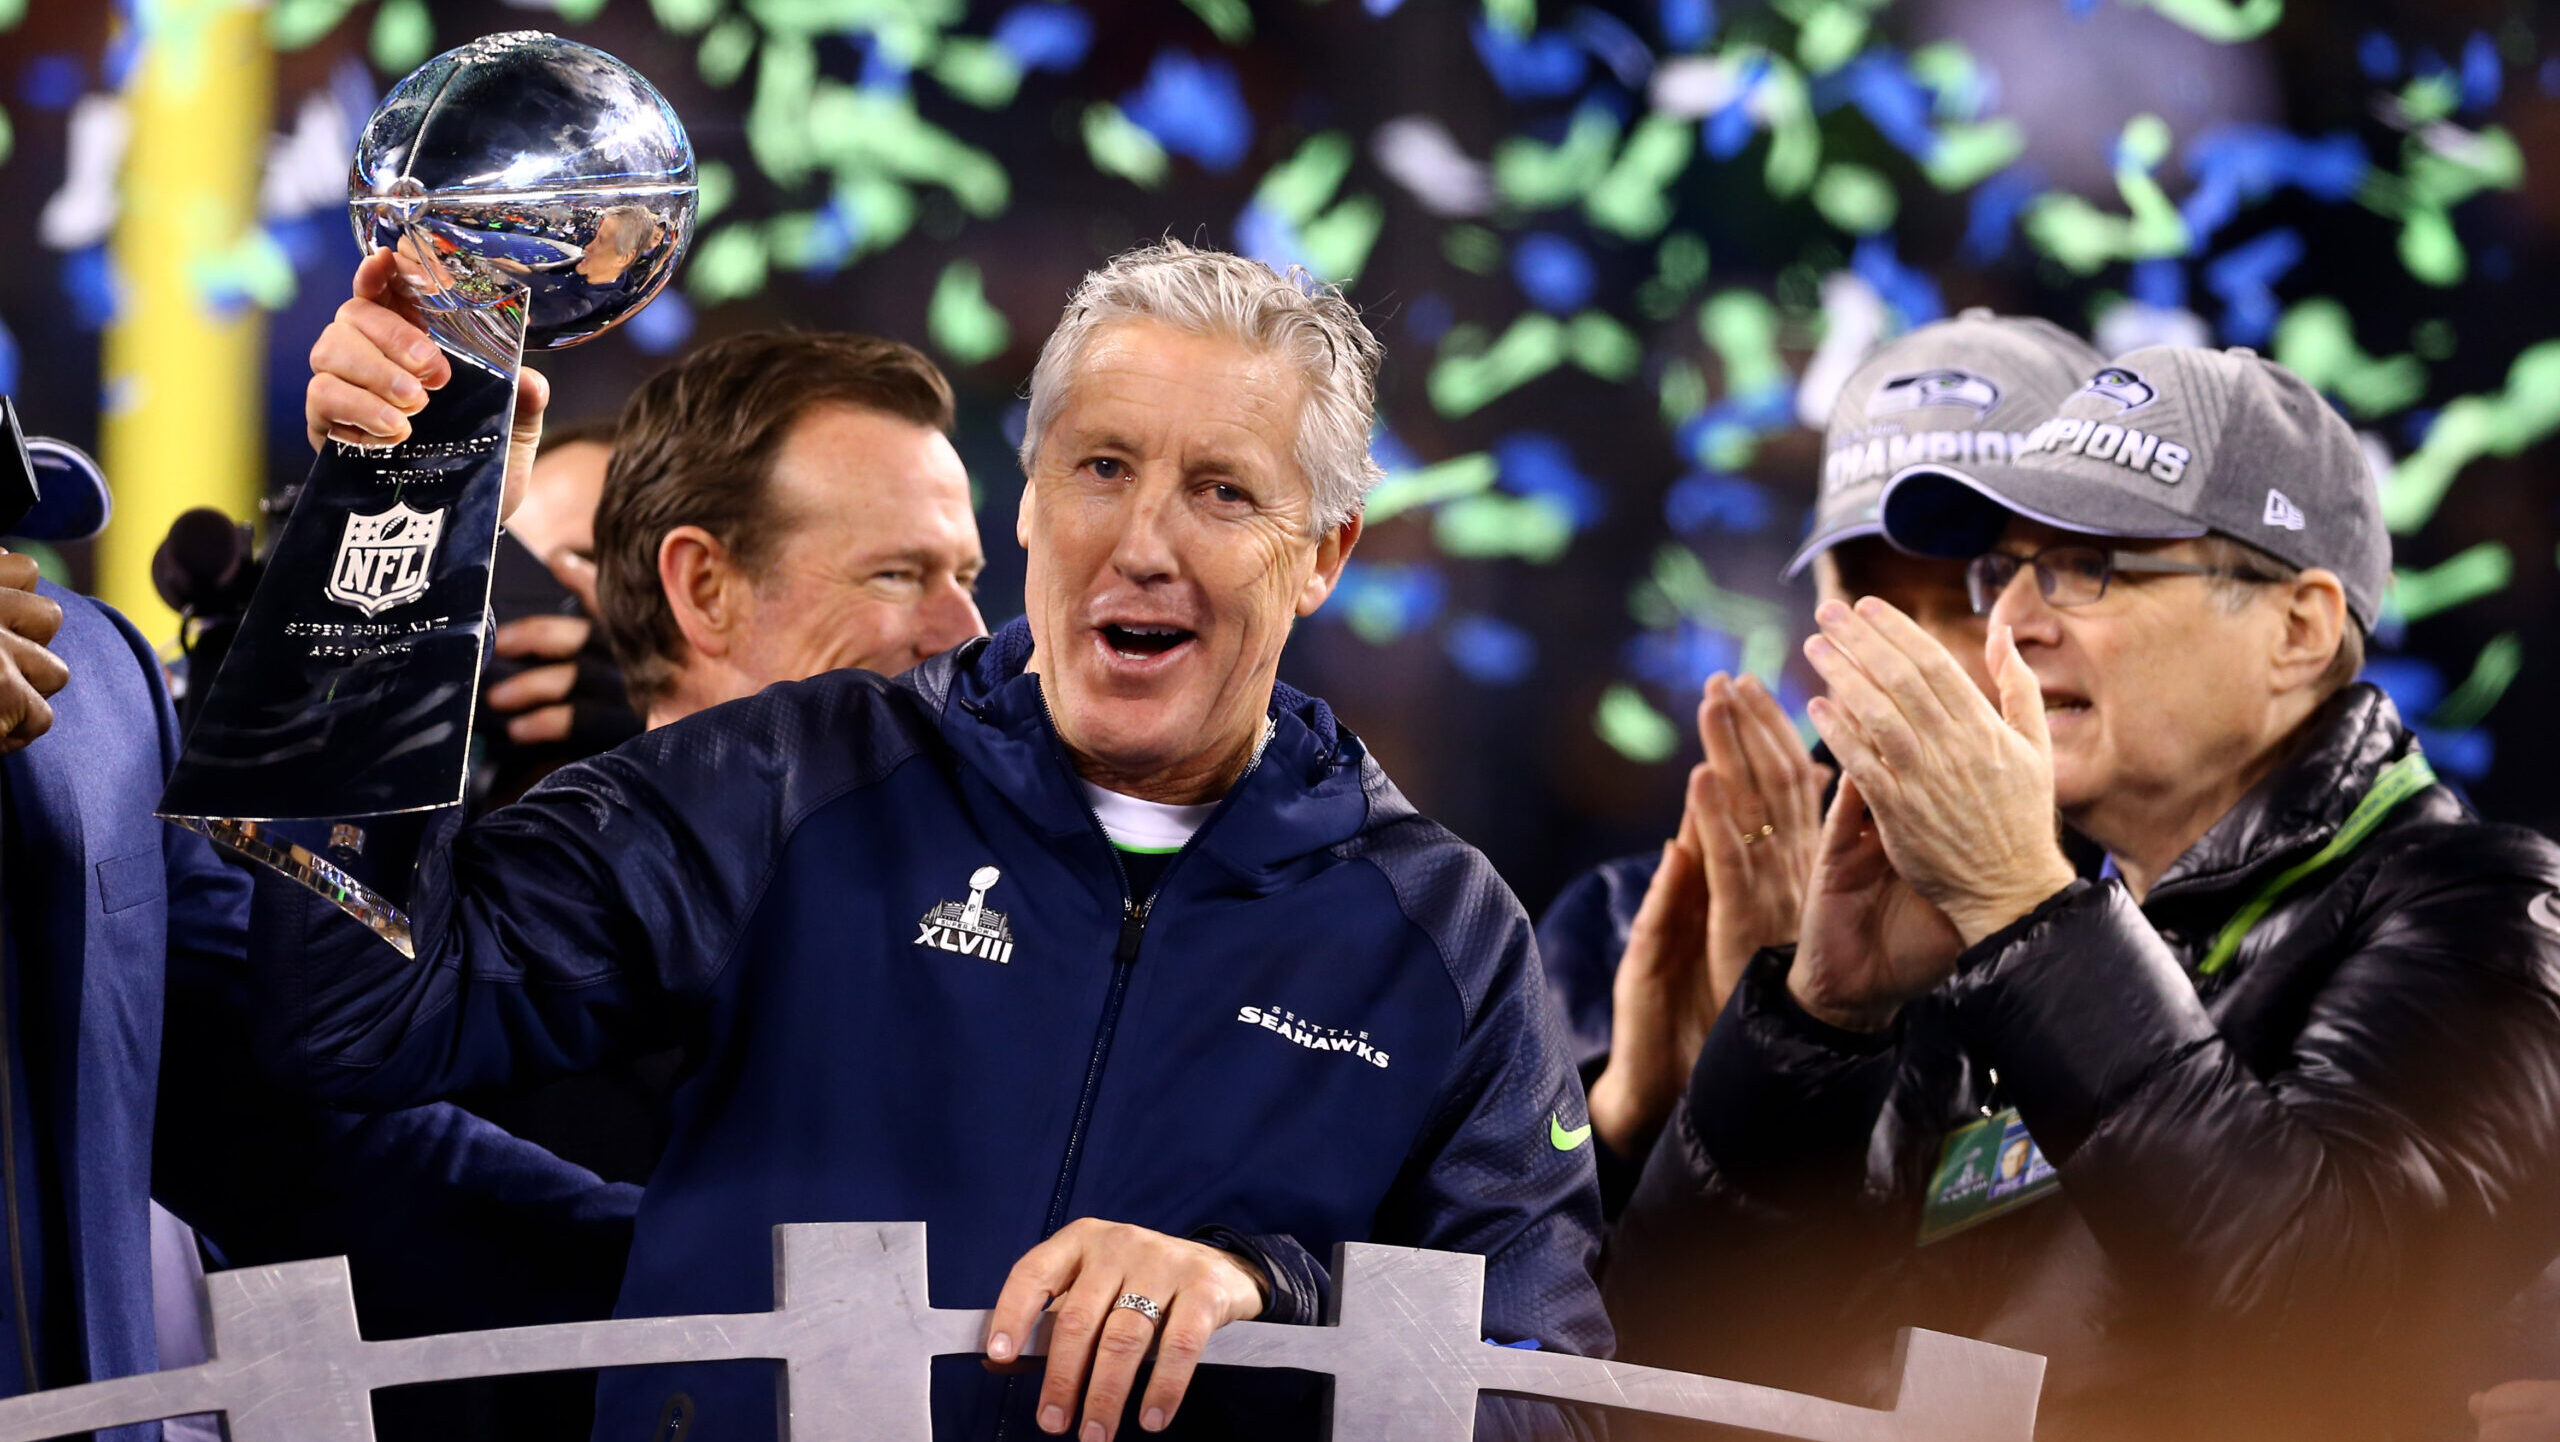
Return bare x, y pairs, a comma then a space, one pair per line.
2293, 1191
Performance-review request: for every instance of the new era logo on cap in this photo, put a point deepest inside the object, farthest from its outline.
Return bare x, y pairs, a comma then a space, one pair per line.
2281, 511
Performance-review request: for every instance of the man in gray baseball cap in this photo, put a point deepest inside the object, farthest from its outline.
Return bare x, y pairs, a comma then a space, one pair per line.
1634, 947
2250, 1138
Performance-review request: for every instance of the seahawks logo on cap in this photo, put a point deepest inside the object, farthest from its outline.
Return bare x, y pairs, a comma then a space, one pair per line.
2126, 388
1943, 387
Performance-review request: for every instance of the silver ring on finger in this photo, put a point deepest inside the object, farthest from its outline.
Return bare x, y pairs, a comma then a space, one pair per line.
1141, 1304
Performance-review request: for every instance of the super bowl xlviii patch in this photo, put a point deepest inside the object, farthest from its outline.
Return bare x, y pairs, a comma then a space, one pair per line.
1988, 1168
385, 559
969, 928
1290, 1026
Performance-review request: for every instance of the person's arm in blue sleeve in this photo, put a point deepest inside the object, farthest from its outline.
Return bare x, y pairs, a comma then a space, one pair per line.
567, 930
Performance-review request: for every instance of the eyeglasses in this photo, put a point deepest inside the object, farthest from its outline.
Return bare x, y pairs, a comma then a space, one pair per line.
2077, 575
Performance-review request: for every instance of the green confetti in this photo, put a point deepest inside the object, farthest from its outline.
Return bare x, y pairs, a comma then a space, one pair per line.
292, 24
2499, 663
403, 35
1491, 526
2221, 20
2433, 340
882, 210
2430, 249
684, 17
1461, 384
1680, 589
729, 265
2483, 570
1472, 248
1600, 344
1970, 152
1741, 327
960, 320
725, 52
8, 137
255, 266
980, 72
1300, 187
1959, 87
1633, 728
1446, 481
577, 12
1339, 241
11, 12
867, 131
714, 186
1830, 37
1684, 392
1515, 18
2430, 98
2316, 341
1679, 266
1634, 199
1119, 147
1376, 614
1854, 198
782, 119
1541, 177
2472, 427
2085, 239
1230, 20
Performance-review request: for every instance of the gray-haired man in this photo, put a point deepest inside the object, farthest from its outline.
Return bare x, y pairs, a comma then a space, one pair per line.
1088, 943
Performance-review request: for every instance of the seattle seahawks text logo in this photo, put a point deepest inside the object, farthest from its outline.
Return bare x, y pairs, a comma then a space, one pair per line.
968, 928
2126, 388
1943, 387
1290, 1026
384, 559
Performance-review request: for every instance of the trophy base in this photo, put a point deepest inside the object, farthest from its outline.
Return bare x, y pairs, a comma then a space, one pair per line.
267, 844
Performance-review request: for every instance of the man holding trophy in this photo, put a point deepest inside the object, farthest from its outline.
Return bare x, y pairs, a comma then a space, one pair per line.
1090, 944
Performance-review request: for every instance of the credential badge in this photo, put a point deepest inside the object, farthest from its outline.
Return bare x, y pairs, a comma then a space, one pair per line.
384, 560
968, 928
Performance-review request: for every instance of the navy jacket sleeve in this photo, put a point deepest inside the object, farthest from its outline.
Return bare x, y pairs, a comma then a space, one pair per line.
449, 1222
575, 926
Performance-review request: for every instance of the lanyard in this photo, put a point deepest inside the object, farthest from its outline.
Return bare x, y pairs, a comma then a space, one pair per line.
2398, 782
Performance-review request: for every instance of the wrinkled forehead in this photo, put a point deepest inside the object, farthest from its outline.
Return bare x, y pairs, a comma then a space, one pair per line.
1146, 385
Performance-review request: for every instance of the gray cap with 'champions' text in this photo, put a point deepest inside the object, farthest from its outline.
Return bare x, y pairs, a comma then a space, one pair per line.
2167, 442
1962, 392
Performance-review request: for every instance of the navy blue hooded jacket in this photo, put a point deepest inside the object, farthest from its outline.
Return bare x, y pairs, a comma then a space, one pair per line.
895, 940
133, 1078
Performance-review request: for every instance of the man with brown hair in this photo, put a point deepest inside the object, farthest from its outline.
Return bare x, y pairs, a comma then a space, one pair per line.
782, 503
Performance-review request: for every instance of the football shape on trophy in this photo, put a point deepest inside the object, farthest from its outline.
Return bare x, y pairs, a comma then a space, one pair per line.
525, 161
533, 193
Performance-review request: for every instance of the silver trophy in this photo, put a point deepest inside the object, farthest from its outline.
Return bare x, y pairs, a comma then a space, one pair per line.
534, 192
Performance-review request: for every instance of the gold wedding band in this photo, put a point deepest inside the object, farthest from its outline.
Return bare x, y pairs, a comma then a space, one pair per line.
1767, 830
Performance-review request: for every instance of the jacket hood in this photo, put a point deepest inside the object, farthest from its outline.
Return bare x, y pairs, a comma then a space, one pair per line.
2302, 803
1305, 790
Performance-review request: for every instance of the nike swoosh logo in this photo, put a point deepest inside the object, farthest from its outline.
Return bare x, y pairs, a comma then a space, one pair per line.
1564, 1140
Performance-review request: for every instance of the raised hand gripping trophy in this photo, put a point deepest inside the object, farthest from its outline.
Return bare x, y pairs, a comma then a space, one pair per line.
534, 192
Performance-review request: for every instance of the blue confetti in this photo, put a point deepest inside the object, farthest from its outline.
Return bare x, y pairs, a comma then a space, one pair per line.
2465, 753
1382, 7
2549, 76
8, 360
1533, 463
1194, 108
1017, 424
1753, 413
2414, 686
2161, 283
2482, 76
1614, 45
1490, 652
663, 325
1553, 272
2236, 164
2082, 9
1429, 318
1533, 67
1911, 292
52, 82
1713, 502
2378, 55
1391, 453
1045, 37
314, 241
1897, 105
1386, 602
2428, 65
1678, 660
1992, 218
1727, 131
89, 279
1687, 24
2245, 278
882, 73
1267, 236
2497, 263
2415, 425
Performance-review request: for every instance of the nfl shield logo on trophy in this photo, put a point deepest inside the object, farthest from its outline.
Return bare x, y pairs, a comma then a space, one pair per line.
383, 559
